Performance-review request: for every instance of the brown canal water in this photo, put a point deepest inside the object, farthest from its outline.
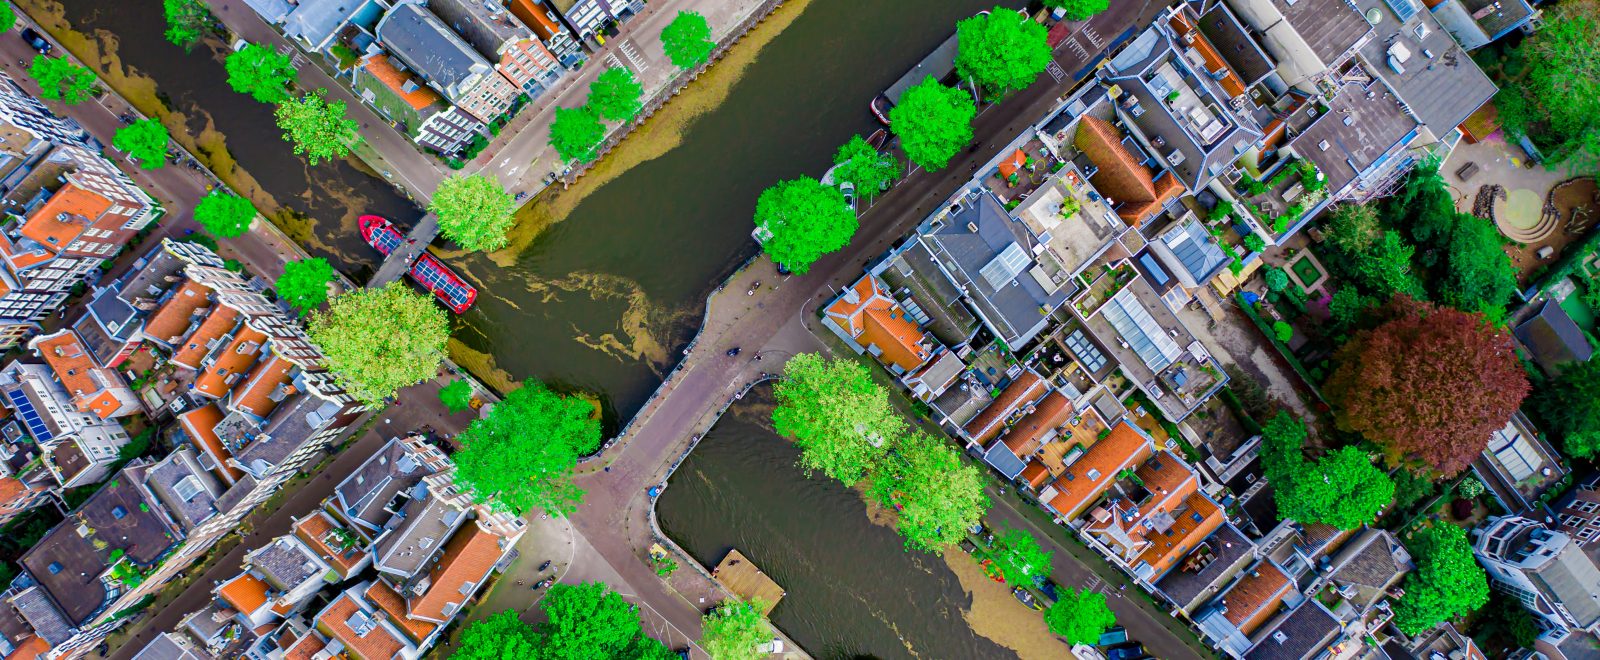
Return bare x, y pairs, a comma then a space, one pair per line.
853, 589
605, 299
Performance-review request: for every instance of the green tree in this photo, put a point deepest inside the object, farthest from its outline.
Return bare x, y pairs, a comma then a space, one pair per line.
1277, 279
838, 416
1478, 274
933, 123
318, 128
499, 637
576, 134
589, 621
457, 396
524, 451
938, 496
735, 630
61, 80
687, 40
380, 340
474, 211
1557, 104
145, 140
1571, 405
224, 214
1081, 616
860, 164
261, 72
1078, 10
187, 21
1343, 489
1018, 556
800, 220
1283, 331
1447, 583
304, 283
1001, 51
1347, 307
8, 17
616, 95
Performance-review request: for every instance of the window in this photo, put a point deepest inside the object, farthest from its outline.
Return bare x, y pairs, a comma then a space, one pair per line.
118, 512
54, 567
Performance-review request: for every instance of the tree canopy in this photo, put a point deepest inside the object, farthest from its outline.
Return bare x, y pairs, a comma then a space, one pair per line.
1343, 489
456, 396
576, 134
1571, 405
687, 40
1078, 10
1001, 50
261, 72
1557, 103
1464, 253
735, 630
1377, 260
8, 17
498, 637
584, 622
380, 340
304, 283
318, 128
1081, 616
933, 123
938, 496
1018, 556
224, 214
61, 80
474, 211
616, 94
803, 220
186, 21
860, 164
146, 140
1447, 583
838, 416
524, 451
1429, 385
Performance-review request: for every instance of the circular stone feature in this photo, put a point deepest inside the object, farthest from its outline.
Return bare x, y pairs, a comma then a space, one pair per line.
1522, 208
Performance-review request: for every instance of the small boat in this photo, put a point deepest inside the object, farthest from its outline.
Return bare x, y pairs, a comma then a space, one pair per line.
880, 108
427, 270
878, 138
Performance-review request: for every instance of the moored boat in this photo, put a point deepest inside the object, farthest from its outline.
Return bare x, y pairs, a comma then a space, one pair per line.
880, 108
427, 270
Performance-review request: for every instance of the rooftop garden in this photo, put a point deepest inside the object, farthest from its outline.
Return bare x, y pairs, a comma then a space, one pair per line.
1282, 199
1109, 280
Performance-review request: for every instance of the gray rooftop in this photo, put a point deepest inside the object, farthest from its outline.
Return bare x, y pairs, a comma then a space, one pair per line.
316, 21
426, 44
1360, 126
187, 490
292, 423
1301, 634
912, 273
1192, 577
286, 563
172, 646
1190, 247
1553, 337
1436, 78
1498, 17
486, 25
424, 526
1369, 565
1004, 460
1330, 27
1235, 44
363, 497
42, 615
989, 255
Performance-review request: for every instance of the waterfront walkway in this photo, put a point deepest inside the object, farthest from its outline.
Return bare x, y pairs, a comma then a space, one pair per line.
398, 262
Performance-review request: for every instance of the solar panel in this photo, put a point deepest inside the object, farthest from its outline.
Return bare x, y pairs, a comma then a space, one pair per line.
24, 408
1140, 330
1005, 266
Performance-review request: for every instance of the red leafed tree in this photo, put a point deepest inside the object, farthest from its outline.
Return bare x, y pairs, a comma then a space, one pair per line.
1429, 385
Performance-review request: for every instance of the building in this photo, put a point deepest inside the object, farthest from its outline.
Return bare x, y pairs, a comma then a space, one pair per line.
417, 109
499, 37
316, 24
93, 388
1578, 515
1553, 338
540, 17
590, 18
1151, 519
78, 447
1545, 569
1245, 606
1475, 23
869, 319
445, 62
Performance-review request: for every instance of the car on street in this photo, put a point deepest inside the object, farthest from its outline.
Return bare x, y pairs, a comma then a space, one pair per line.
36, 41
1130, 651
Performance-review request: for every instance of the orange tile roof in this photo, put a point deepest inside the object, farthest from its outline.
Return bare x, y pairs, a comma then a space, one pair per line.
1167, 547
535, 17
1022, 390
70, 360
305, 647
174, 316
246, 593
1010, 165
200, 425
1120, 175
898, 337
467, 560
20, 258
1255, 598
847, 312
313, 528
1035, 474
32, 648
1085, 479
386, 599
385, 71
61, 219
378, 644
235, 360
1230, 81
1168, 480
219, 322
1052, 412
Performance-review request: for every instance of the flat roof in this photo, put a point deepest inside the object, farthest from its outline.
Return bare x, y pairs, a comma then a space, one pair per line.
1329, 27
1235, 44
1361, 125
1437, 79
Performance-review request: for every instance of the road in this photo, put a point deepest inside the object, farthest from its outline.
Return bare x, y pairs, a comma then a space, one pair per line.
616, 514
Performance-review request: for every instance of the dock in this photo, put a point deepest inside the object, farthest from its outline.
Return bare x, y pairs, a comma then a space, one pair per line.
745, 580
940, 63
398, 262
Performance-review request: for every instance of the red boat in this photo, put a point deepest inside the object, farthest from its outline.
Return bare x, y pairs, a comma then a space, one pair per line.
881, 106
427, 270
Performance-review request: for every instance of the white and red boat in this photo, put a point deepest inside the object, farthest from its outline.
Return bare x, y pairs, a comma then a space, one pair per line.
427, 270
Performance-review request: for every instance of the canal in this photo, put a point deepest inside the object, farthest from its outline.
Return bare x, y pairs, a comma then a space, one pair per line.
853, 589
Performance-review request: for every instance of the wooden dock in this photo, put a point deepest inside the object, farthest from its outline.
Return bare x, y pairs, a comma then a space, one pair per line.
745, 580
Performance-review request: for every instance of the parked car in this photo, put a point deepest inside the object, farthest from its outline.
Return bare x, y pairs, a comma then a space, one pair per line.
1026, 598
1130, 651
1114, 635
849, 190
36, 41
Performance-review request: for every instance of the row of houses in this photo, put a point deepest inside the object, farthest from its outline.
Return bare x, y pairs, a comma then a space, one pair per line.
67, 210
443, 71
377, 572
252, 406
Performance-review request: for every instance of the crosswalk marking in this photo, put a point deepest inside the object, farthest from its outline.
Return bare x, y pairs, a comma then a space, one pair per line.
1056, 71
612, 61
633, 55
1093, 38
1077, 48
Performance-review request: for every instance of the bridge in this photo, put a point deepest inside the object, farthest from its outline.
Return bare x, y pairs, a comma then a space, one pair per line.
399, 261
